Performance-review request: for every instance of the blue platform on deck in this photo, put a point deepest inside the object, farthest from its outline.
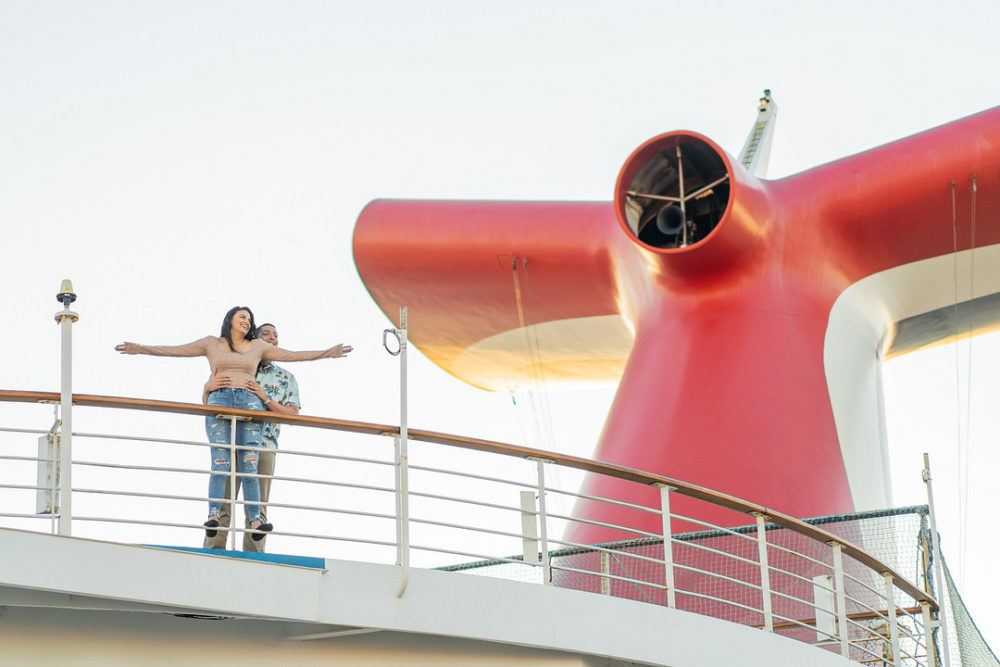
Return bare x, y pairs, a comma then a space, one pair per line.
282, 559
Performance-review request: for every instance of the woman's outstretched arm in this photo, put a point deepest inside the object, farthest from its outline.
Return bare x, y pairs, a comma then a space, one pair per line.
197, 348
272, 353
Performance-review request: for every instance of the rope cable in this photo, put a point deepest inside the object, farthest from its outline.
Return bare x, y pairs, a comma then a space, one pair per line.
537, 361
956, 340
963, 505
534, 359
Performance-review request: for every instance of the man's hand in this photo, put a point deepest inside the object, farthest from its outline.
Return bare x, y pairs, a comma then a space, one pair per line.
215, 382
255, 387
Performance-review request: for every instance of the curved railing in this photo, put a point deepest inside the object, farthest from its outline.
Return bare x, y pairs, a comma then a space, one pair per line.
450, 500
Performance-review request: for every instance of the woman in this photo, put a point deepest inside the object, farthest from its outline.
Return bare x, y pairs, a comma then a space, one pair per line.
234, 355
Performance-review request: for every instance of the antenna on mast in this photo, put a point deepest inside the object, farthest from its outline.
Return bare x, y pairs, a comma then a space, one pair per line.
757, 150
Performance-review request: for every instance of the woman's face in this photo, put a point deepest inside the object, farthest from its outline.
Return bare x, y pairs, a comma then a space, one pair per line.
240, 324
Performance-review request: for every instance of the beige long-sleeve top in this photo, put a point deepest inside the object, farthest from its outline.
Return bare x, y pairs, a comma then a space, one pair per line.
239, 366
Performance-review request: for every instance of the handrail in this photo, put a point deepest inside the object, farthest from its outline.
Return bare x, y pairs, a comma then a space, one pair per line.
588, 465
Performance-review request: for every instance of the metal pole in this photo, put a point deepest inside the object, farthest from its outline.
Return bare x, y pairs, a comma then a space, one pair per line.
402, 462
838, 578
890, 608
232, 483
542, 524
66, 318
668, 546
605, 570
925, 612
765, 573
938, 567
680, 185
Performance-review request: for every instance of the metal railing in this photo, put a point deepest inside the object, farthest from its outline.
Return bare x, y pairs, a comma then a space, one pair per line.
450, 500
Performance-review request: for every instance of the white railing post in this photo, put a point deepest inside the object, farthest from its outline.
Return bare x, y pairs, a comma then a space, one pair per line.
668, 546
543, 524
765, 573
838, 584
66, 318
925, 612
402, 456
529, 528
232, 483
890, 607
47, 473
938, 567
605, 570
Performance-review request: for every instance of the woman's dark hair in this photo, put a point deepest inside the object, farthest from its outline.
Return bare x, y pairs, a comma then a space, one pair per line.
227, 326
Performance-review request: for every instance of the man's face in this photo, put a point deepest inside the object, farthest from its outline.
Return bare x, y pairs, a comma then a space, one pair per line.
269, 334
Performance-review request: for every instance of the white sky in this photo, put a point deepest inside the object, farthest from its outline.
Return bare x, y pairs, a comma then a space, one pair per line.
178, 158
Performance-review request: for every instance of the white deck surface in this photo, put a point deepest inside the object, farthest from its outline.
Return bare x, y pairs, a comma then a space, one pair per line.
68, 598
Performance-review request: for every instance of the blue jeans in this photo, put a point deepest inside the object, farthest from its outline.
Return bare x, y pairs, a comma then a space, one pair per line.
247, 435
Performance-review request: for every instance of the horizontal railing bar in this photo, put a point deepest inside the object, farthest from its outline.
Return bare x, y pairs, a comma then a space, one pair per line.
97, 519
25, 487
879, 594
722, 530
612, 470
613, 552
859, 646
480, 556
703, 596
470, 475
205, 471
261, 448
717, 575
806, 557
718, 552
478, 503
333, 457
608, 501
793, 598
608, 575
864, 605
854, 623
129, 466
603, 524
142, 438
10, 429
226, 501
793, 575
787, 623
25, 458
908, 612
457, 526
492, 560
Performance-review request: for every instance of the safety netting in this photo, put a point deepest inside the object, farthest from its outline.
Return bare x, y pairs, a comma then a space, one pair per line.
717, 573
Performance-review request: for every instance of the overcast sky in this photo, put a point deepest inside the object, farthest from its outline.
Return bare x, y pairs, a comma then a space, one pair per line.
177, 158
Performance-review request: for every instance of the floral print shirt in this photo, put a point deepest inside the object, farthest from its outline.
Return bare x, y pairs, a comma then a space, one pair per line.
281, 386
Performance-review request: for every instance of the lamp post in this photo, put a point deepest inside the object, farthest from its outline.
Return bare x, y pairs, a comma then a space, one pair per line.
65, 318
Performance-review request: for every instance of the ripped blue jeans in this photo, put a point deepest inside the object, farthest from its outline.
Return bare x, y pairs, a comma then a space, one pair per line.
247, 435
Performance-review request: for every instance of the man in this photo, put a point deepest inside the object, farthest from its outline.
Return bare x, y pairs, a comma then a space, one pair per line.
279, 392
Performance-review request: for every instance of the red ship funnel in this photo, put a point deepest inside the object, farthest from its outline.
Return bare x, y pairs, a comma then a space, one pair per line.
680, 194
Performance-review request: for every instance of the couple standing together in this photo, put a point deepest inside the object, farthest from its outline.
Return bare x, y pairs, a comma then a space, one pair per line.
243, 376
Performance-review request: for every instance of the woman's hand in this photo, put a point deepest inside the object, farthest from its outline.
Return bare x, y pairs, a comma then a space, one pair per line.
341, 350
127, 348
253, 386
